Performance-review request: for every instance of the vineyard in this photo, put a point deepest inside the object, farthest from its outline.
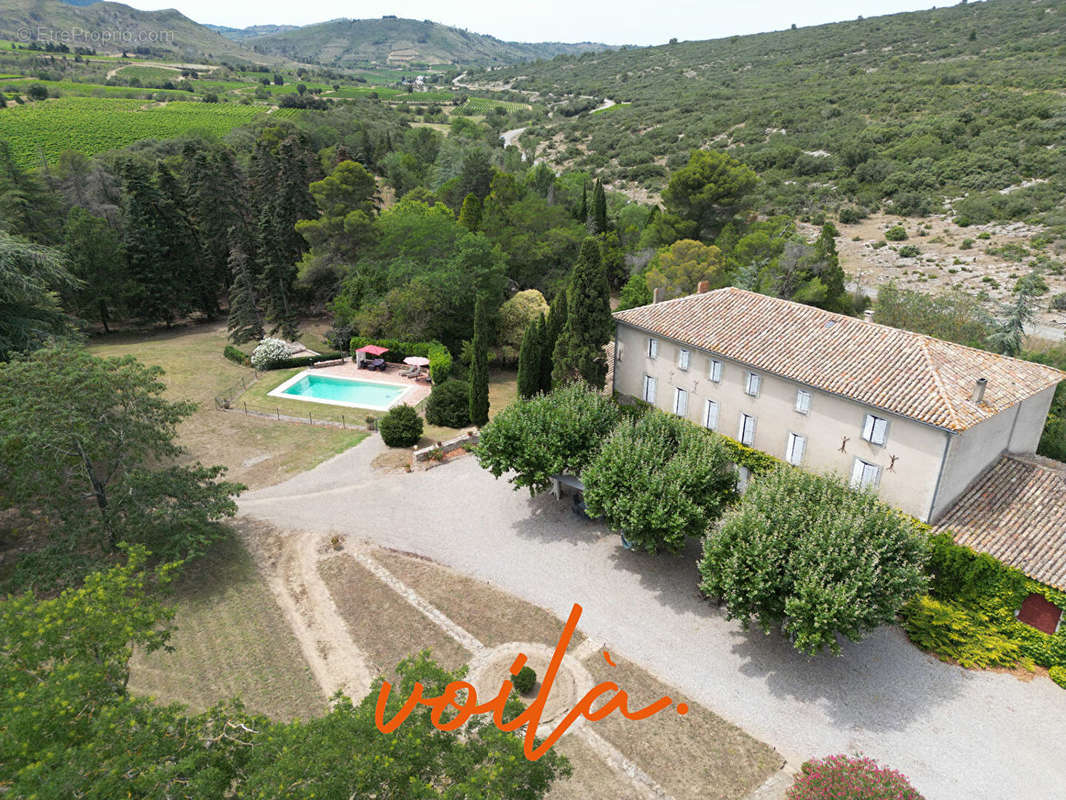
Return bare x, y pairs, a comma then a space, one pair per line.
483, 105
62, 88
92, 125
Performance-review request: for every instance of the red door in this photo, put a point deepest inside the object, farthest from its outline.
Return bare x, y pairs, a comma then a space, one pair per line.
1038, 612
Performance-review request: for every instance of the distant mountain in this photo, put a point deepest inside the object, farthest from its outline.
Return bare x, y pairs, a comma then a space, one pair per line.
244, 34
398, 42
113, 27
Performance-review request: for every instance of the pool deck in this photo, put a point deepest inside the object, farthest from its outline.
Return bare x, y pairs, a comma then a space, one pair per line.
419, 389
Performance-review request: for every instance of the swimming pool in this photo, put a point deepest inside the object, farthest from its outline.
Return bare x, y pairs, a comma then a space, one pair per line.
341, 391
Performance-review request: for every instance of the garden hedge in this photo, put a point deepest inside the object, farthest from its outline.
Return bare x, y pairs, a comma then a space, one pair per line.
302, 361
440, 358
236, 355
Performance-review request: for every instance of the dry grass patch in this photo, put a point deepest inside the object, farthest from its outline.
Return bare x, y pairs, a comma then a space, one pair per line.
383, 624
592, 778
232, 640
491, 615
258, 452
698, 756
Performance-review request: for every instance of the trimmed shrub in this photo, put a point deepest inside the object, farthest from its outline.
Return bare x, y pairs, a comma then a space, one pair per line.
401, 427
525, 680
267, 352
850, 778
897, 233
1058, 674
235, 355
449, 404
302, 361
951, 632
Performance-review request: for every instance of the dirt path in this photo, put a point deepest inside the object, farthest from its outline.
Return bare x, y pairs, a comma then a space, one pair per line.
289, 564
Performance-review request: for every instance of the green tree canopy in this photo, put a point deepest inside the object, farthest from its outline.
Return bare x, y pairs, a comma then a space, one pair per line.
553, 434
659, 480
87, 450
679, 268
808, 553
516, 314
31, 276
479, 366
579, 350
709, 191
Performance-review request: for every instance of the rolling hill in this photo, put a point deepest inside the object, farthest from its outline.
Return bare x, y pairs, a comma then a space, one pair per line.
399, 42
113, 27
901, 112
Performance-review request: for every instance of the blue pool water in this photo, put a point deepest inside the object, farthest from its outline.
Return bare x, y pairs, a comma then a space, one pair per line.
326, 389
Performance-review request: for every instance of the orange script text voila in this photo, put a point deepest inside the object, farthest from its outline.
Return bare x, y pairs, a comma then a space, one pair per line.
468, 706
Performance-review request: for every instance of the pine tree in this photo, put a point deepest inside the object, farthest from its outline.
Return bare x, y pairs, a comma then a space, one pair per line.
598, 217
530, 358
470, 214
245, 322
183, 250
479, 366
552, 328
579, 352
214, 192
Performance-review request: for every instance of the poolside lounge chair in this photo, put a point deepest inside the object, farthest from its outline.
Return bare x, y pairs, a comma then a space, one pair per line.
410, 372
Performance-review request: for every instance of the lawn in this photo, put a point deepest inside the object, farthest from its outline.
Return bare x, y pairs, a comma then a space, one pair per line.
259, 452
231, 640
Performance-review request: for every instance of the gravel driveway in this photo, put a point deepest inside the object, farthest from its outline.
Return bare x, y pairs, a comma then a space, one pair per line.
957, 734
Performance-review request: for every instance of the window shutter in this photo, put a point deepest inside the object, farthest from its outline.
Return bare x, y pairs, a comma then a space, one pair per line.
856, 474
682, 359
716, 371
710, 415
680, 402
868, 428
653, 347
801, 445
880, 427
803, 401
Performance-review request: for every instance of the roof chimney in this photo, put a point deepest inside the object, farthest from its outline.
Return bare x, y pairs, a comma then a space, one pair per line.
979, 390
868, 315
657, 295
703, 287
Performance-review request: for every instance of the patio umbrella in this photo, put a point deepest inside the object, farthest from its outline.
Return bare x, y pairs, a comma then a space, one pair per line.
416, 361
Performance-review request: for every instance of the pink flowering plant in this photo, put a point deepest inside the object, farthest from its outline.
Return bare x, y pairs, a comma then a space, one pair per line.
843, 777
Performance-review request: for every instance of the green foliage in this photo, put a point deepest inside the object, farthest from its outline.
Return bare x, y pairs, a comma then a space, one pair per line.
954, 316
969, 616
525, 680
1058, 674
756, 461
659, 480
844, 777
269, 352
808, 553
236, 355
553, 434
479, 366
29, 311
301, 361
579, 350
401, 426
87, 450
94, 253
449, 404
514, 317
635, 293
470, 214
245, 322
709, 191
897, 233
530, 356
679, 268
909, 251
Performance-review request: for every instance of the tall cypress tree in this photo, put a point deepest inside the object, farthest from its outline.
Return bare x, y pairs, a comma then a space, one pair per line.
479, 366
470, 214
583, 209
598, 217
579, 352
552, 328
245, 323
831, 273
530, 358
157, 291
183, 250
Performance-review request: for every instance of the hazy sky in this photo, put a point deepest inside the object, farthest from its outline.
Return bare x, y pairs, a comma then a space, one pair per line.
609, 21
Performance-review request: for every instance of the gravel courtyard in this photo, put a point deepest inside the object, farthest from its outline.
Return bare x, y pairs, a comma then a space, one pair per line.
957, 734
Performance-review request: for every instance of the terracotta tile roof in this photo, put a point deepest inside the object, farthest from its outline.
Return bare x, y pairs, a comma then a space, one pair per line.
1016, 512
906, 373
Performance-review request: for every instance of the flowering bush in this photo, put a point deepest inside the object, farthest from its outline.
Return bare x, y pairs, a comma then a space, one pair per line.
267, 351
850, 778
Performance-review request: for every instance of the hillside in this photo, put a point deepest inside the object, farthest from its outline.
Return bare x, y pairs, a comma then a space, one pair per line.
113, 27
251, 32
389, 40
900, 112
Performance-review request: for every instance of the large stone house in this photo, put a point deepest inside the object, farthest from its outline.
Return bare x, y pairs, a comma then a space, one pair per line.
916, 418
